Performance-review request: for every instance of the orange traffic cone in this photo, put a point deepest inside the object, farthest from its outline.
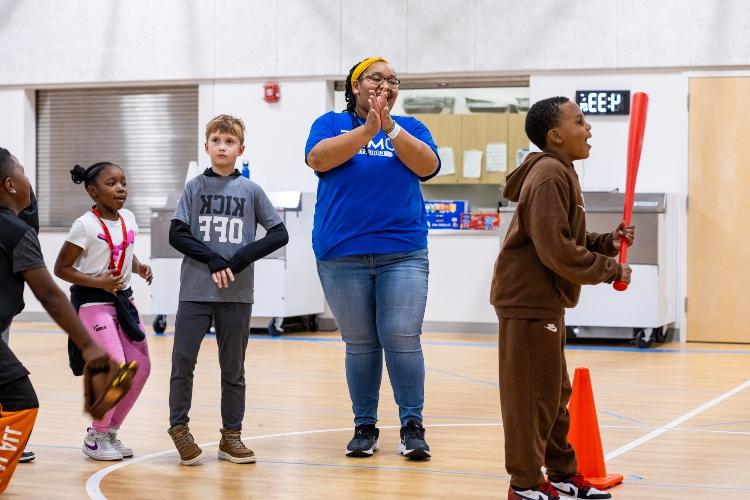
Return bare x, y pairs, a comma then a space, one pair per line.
584, 433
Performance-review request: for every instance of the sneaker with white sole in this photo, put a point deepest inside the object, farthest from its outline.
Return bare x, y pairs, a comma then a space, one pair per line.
576, 486
364, 442
96, 445
413, 444
544, 491
26, 457
124, 450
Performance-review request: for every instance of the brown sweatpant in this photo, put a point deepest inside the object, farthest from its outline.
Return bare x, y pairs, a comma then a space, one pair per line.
534, 394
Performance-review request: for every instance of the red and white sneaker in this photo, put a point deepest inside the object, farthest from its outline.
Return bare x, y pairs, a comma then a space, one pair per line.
544, 491
576, 486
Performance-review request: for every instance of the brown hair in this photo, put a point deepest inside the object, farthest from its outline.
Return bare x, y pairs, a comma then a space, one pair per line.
226, 124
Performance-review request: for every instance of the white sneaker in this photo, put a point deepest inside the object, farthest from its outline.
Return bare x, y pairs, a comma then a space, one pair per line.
97, 446
117, 444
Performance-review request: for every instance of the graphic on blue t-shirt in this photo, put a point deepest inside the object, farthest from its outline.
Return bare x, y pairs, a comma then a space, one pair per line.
378, 146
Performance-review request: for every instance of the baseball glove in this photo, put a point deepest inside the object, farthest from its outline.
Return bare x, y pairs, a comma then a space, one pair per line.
104, 388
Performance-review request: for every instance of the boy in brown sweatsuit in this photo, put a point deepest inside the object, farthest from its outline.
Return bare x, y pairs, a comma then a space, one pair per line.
546, 257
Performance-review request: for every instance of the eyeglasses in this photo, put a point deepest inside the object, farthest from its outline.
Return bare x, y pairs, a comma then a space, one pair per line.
377, 79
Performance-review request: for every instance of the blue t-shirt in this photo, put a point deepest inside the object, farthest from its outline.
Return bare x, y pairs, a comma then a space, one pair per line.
372, 203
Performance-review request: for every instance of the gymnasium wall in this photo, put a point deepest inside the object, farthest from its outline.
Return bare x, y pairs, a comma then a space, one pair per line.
94, 41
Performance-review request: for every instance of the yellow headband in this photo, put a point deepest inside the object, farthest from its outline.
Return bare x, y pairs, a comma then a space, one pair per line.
361, 67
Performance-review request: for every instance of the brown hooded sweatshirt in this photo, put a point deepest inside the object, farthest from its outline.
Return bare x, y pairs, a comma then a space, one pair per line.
547, 254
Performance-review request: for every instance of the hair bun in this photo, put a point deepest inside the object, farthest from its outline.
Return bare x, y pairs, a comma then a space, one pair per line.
78, 174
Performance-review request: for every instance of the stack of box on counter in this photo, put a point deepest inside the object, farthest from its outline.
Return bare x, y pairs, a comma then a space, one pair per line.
456, 214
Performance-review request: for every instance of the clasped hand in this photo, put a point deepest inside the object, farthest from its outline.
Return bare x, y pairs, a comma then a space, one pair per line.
379, 116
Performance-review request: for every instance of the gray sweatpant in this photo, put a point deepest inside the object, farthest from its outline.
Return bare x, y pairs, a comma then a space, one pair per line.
232, 320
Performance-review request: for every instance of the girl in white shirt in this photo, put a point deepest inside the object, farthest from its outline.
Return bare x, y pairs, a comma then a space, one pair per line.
97, 258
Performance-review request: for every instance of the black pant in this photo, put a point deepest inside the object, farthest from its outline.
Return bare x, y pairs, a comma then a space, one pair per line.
232, 321
18, 395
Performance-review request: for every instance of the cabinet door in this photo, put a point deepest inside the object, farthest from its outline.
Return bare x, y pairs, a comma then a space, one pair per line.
446, 132
269, 288
478, 130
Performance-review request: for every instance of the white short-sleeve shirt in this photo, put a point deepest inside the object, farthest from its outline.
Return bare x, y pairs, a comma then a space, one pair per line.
88, 234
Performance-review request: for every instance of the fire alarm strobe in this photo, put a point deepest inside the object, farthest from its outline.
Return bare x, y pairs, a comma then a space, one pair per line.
271, 92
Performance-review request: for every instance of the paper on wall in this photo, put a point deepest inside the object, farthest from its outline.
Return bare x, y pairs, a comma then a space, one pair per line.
472, 164
497, 157
447, 161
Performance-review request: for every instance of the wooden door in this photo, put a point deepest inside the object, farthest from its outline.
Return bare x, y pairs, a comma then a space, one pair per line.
718, 281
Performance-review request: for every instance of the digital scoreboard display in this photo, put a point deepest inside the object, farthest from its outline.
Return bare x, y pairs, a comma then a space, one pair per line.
604, 102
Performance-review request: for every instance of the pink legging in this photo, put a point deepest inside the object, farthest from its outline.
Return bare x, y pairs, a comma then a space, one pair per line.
101, 323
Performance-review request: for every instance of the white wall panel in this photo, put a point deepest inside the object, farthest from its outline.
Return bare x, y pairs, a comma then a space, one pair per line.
308, 37
579, 33
442, 36
506, 40
145, 40
385, 37
47, 42
43, 41
640, 45
720, 33
245, 32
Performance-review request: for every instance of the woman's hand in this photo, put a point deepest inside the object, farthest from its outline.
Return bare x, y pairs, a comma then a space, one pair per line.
109, 281
379, 103
386, 122
144, 271
372, 123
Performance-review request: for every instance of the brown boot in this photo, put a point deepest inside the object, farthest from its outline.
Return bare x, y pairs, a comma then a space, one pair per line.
190, 453
233, 449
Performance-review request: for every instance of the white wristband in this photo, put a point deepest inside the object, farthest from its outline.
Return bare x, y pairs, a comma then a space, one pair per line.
394, 131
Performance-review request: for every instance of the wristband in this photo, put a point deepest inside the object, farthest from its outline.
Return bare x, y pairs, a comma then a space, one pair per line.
393, 132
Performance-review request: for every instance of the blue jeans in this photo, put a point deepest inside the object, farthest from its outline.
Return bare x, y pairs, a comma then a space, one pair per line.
378, 301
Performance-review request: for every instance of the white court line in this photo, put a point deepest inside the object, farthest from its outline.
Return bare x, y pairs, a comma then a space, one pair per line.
674, 423
93, 484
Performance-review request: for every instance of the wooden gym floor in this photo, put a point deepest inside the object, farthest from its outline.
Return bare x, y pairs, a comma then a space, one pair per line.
675, 421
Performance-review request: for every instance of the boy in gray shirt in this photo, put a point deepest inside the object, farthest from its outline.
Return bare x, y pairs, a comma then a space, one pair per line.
214, 227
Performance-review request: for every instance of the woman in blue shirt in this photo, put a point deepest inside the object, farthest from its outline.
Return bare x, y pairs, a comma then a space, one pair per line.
370, 241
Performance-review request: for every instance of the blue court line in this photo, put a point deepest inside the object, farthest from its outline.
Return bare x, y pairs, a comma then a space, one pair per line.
464, 377
733, 422
454, 343
621, 417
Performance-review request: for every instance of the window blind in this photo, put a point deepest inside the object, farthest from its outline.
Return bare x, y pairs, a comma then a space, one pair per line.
151, 132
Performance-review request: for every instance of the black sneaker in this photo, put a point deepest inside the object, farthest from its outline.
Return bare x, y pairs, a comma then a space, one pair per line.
576, 486
26, 457
413, 444
365, 441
